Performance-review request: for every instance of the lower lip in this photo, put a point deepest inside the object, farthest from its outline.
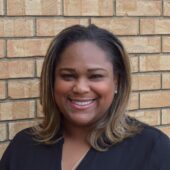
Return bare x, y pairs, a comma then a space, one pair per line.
79, 107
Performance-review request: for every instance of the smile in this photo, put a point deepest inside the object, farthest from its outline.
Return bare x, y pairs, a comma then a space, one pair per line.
81, 104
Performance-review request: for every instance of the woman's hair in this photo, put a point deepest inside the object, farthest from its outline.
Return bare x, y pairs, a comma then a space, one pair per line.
115, 125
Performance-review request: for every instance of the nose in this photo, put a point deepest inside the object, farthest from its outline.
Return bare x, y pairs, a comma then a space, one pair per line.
81, 86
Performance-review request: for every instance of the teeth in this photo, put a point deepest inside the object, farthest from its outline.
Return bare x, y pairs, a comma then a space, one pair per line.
82, 103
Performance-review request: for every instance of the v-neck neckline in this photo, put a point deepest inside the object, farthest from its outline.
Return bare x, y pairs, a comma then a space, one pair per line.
83, 164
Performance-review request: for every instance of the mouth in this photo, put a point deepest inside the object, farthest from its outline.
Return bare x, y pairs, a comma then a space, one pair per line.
81, 104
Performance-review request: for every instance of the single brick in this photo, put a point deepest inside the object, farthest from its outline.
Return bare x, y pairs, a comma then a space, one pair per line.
39, 64
155, 99
17, 110
151, 117
3, 147
52, 26
138, 8
142, 44
146, 81
166, 8
15, 127
155, 26
166, 80
16, 7
88, 8
154, 62
23, 88
2, 90
165, 116
134, 64
16, 68
165, 129
27, 47
3, 131
134, 101
1, 7
119, 26
2, 48
166, 44
14, 27
36, 7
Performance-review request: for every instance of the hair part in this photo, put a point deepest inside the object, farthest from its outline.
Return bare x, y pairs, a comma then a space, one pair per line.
115, 126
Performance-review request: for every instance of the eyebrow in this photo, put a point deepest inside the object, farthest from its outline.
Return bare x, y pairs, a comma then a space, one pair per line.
89, 70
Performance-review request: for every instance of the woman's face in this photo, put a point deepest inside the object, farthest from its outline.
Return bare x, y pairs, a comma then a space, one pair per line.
84, 83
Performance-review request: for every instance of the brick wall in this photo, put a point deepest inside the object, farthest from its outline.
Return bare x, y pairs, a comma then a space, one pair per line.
26, 28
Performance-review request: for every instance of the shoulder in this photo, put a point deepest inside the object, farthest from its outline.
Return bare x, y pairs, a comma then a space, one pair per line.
25, 151
161, 141
23, 136
160, 155
149, 142
149, 147
152, 132
150, 136
155, 145
23, 139
17, 146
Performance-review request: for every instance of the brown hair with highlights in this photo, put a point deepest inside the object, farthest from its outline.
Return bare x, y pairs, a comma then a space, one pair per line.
115, 126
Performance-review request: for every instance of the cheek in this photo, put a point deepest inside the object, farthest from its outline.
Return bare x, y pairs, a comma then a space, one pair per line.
61, 87
106, 90
60, 90
106, 95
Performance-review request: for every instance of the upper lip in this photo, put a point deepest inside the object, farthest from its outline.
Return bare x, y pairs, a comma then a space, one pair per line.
81, 99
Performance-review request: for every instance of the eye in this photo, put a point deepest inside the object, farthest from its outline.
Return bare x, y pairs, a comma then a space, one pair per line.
68, 77
96, 76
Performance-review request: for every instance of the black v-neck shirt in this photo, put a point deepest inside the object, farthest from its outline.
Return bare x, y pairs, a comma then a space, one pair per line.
148, 150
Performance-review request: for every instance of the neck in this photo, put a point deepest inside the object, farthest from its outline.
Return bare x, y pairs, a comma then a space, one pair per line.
76, 133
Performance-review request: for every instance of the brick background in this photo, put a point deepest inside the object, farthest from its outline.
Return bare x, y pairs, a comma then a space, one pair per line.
35, 7
27, 27
52, 26
1, 7
88, 8
10, 27
120, 26
2, 48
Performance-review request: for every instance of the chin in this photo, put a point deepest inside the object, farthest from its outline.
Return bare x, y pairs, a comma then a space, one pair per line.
81, 122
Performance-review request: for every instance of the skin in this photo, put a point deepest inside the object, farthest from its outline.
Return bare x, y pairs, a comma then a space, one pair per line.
84, 89
84, 74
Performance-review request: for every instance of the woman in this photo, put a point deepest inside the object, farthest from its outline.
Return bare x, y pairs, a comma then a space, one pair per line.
85, 87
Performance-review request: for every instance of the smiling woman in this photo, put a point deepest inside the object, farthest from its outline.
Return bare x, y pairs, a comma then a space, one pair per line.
85, 87
84, 83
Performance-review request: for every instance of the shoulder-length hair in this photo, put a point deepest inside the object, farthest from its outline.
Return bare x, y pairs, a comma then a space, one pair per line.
115, 126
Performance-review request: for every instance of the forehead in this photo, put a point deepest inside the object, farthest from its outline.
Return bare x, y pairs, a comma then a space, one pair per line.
84, 53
